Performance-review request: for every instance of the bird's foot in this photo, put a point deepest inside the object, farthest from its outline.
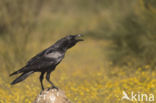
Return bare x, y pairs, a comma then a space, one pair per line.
53, 87
41, 91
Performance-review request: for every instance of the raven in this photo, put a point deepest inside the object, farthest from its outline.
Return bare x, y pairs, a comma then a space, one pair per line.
47, 60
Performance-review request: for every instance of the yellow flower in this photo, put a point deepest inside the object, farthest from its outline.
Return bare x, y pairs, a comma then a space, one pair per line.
147, 66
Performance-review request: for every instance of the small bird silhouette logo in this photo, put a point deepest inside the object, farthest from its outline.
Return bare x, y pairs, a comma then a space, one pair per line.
125, 96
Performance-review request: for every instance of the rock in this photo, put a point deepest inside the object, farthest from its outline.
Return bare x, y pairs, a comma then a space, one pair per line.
52, 96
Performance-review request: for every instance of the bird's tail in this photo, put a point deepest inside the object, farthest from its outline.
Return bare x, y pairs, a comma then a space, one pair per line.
16, 72
22, 77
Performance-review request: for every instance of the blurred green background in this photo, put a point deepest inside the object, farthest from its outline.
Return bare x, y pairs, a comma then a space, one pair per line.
118, 33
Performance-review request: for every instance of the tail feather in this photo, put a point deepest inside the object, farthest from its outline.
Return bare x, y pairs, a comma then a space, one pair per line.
16, 72
22, 77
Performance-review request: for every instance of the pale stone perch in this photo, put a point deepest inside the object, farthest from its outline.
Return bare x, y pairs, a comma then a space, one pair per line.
52, 96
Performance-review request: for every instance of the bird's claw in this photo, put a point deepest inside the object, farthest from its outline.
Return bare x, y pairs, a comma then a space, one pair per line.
41, 92
53, 87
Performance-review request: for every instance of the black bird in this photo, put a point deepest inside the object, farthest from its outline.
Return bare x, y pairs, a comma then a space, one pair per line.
47, 60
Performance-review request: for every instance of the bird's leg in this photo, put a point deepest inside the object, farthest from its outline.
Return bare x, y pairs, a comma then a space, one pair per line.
41, 80
48, 79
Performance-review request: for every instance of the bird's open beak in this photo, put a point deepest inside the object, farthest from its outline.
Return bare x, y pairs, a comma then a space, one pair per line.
78, 37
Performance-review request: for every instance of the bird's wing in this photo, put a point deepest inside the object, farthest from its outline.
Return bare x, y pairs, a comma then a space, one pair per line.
38, 65
38, 61
39, 56
46, 58
36, 58
41, 63
49, 57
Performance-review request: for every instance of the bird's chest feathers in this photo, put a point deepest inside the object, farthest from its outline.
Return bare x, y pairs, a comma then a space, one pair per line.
55, 55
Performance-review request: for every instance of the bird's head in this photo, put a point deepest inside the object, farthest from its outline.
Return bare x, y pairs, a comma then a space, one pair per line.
68, 41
